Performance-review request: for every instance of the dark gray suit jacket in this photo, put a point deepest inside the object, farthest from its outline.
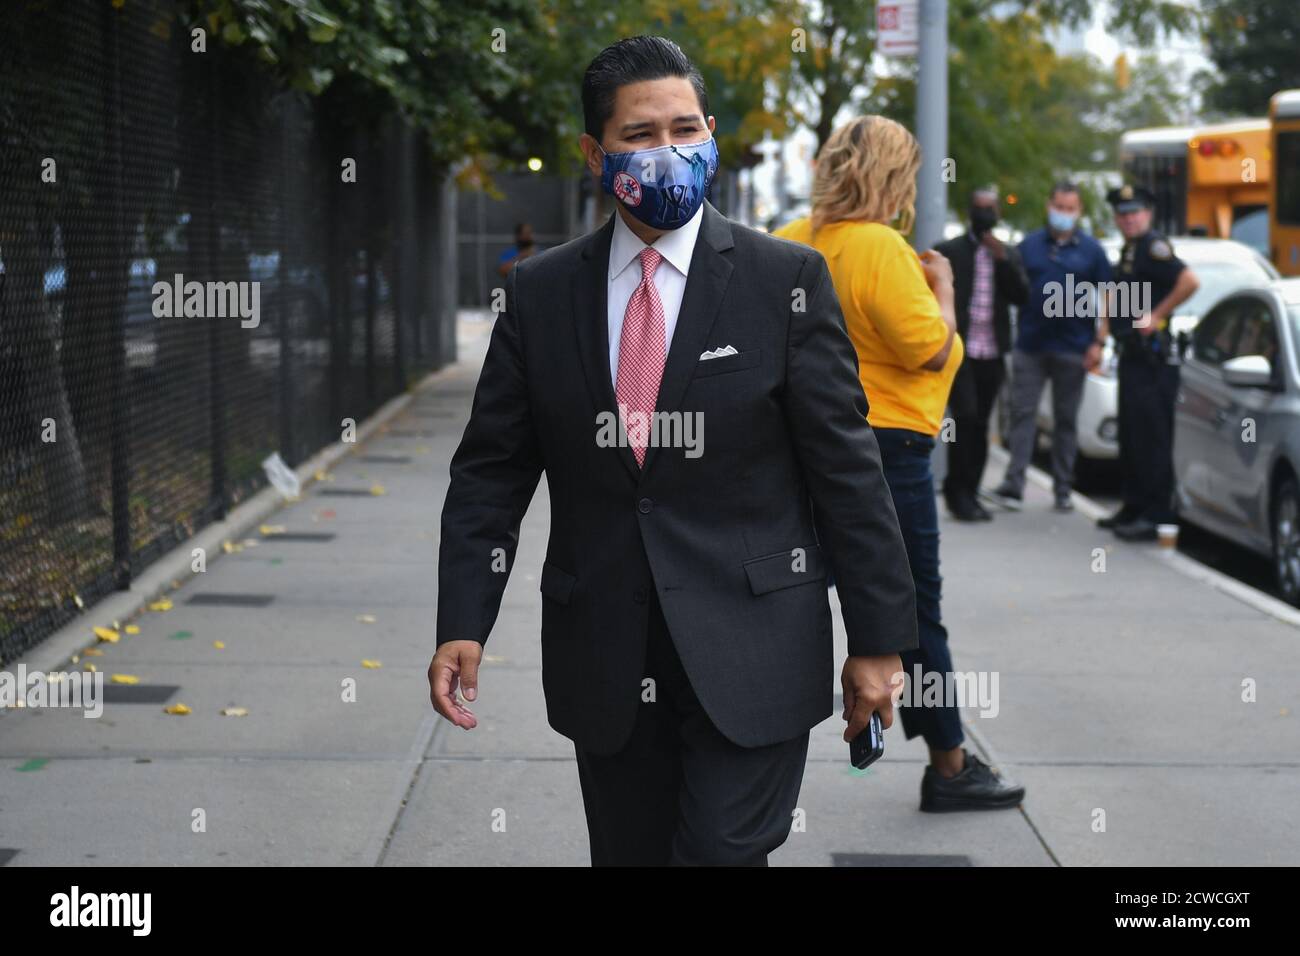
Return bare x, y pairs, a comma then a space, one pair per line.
726, 539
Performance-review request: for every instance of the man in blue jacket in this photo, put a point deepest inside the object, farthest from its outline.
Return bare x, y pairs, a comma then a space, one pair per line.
1057, 340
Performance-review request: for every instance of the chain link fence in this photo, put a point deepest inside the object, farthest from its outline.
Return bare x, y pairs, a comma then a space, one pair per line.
188, 284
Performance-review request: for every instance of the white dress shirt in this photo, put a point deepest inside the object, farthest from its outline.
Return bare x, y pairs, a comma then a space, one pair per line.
676, 246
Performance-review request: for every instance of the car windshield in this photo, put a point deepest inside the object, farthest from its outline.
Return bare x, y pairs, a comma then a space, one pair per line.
1217, 279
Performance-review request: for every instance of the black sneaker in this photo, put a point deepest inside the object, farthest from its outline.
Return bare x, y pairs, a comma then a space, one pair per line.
1008, 497
1064, 504
966, 509
977, 787
1140, 530
1111, 522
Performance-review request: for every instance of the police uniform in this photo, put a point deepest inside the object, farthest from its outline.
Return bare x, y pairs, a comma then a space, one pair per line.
1148, 376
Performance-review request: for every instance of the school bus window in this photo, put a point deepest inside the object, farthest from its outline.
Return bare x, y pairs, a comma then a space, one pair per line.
1288, 178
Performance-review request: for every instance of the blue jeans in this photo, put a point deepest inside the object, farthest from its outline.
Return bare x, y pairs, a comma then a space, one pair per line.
905, 456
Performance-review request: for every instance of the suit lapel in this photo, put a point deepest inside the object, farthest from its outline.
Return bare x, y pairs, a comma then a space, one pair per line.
706, 284
590, 297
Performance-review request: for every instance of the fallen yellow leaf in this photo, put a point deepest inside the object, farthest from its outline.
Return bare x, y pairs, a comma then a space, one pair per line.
177, 709
107, 634
235, 712
219, 645
269, 529
162, 604
92, 652
133, 629
125, 679
366, 618
372, 665
377, 490
90, 667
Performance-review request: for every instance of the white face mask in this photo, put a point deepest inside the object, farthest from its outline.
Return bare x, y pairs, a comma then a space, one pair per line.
1061, 221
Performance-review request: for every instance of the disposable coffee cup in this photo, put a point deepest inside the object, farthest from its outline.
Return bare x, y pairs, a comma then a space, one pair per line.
1168, 535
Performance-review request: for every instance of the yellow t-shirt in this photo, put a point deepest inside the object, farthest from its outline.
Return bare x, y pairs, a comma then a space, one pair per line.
893, 320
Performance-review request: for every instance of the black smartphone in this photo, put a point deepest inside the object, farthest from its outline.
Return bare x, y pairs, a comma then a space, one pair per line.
868, 747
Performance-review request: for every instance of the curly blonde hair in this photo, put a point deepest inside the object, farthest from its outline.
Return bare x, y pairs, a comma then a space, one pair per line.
866, 171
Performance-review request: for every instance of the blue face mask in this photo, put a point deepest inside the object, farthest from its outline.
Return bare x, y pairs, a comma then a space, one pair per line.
662, 187
1061, 221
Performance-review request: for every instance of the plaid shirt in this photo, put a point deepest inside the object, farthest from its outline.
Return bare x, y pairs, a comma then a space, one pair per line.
981, 343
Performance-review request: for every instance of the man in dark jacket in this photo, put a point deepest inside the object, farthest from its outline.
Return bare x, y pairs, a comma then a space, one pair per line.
685, 629
987, 278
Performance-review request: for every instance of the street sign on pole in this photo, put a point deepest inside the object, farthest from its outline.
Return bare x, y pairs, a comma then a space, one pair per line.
896, 27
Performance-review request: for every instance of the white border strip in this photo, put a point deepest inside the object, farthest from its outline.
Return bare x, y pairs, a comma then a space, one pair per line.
1190, 567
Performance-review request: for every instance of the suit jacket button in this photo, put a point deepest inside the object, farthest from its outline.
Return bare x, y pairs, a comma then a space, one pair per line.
639, 595
644, 506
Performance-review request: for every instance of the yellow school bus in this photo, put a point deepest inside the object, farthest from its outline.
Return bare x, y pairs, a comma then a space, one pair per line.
1228, 176
1284, 201
1210, 180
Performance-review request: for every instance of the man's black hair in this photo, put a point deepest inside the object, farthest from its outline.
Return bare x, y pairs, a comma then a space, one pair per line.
1064, 186
633, 60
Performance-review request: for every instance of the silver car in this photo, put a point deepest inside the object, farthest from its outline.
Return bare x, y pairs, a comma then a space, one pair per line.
1237, 426
1221, 265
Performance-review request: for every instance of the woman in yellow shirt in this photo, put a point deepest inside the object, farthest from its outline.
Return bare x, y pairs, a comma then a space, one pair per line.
898, 308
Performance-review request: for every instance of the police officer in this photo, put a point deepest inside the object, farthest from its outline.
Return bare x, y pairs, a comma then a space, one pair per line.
1152, 283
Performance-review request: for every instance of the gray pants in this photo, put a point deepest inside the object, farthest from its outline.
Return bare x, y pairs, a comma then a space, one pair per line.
1029, 370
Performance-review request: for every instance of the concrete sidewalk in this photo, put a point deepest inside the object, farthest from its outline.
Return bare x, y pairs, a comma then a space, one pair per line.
1106, 702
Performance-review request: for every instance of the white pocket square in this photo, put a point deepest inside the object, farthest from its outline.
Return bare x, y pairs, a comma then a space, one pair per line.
718, 353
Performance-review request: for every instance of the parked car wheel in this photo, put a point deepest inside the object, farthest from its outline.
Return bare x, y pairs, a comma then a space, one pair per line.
1286, 540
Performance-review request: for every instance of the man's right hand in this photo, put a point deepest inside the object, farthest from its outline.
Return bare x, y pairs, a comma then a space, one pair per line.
455, 663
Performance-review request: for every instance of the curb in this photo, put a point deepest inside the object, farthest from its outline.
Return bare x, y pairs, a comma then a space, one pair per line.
56, 651
1189, 567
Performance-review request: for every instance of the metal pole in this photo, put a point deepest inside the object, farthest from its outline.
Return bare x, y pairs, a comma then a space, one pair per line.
216, 377
931, 122
287, 196
119, 396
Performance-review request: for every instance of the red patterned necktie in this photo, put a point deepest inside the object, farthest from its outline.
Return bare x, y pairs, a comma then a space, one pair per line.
641, 356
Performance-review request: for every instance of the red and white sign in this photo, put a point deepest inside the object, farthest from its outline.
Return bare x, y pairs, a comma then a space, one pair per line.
896, 27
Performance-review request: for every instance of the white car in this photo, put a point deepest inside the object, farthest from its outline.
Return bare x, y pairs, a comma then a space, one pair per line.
1221, 265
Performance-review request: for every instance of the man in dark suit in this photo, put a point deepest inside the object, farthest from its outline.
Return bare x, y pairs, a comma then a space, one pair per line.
987, 280
686, 632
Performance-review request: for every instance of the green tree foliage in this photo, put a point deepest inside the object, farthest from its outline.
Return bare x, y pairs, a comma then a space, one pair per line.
1020, 115
475, 76
835, 71
1255, 47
